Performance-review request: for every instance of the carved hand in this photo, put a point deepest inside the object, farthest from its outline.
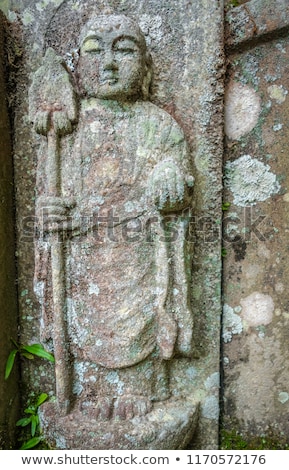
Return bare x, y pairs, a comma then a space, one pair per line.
53, 213
56, 119
167, 187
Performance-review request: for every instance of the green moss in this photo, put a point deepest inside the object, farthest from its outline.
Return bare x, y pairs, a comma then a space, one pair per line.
233, 440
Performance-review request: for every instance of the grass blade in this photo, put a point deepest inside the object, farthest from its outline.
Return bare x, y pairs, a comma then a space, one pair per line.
24, 421
31, 443
38, 350
10, 363
41, 399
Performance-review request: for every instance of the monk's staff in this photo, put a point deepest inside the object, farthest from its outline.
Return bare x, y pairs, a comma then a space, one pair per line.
53, 109
60, 336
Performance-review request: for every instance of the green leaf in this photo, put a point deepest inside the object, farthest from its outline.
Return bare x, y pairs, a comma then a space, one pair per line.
24, 421
27, 355
30, 411
31, 443
226, 206
34, 424
38, 350
41, 399
10, 363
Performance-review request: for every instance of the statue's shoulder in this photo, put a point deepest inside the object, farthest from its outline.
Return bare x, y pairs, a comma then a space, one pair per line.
150, 109
146, 110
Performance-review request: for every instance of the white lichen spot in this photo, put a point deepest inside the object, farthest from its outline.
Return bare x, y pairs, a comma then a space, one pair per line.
283, 397
79, 371
151, 26
129, 206
242, 110
278, 312
44, 3
277, 127
226, 361
250, 181
279, 287
277, 93
210, 408
286, 197
93, 289
60, 442
113, 378
213, 381
27, 18
257, 309
12, 16
252, 271
280, 47
232, 324
191, 372
94, 127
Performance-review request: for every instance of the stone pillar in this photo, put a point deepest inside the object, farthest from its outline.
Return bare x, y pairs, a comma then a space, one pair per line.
256, 276
8, 302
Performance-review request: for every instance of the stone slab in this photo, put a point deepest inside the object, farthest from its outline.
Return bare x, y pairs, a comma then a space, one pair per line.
255, 333
256, 20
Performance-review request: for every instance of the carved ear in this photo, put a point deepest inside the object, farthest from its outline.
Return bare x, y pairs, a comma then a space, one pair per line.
148, 77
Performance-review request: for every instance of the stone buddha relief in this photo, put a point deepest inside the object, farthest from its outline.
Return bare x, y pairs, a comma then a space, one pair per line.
113, 260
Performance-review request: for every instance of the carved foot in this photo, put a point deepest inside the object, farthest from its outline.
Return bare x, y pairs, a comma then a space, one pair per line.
101, 410
129, 407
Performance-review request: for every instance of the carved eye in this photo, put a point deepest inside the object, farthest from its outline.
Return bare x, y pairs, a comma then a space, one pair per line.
92, 45
125, 46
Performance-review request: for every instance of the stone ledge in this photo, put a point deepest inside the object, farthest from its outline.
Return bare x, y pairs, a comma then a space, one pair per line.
254, 21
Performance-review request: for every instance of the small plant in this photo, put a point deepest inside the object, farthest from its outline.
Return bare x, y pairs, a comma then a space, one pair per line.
28, 351
234, 3
226, 206
234, 440
32, 420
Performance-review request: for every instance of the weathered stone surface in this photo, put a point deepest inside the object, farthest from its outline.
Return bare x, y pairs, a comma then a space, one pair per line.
8, 296
120, 304
255, 331
188, 72
255, 20
170, 426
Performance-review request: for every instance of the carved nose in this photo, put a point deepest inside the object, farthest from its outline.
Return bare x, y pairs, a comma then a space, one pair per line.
109, 62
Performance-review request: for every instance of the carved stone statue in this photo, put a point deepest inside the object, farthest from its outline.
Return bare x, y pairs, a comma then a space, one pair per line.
112, 260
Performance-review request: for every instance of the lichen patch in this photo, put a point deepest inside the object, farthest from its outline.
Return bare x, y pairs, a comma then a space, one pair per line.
250, 181
242, 110
257, 309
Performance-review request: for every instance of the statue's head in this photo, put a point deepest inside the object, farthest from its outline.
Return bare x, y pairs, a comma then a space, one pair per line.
114, 63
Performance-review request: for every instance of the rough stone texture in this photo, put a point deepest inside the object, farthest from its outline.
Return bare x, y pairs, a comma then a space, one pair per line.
255, 321
8, 297
254, 20
188, 73
118, 303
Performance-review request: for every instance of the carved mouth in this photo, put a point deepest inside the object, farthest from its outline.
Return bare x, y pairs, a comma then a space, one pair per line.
108, 80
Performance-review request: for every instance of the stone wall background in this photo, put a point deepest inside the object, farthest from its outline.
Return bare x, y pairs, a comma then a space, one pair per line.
255, 278
187, 49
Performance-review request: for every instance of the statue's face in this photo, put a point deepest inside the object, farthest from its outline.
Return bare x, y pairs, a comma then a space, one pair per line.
111, 64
